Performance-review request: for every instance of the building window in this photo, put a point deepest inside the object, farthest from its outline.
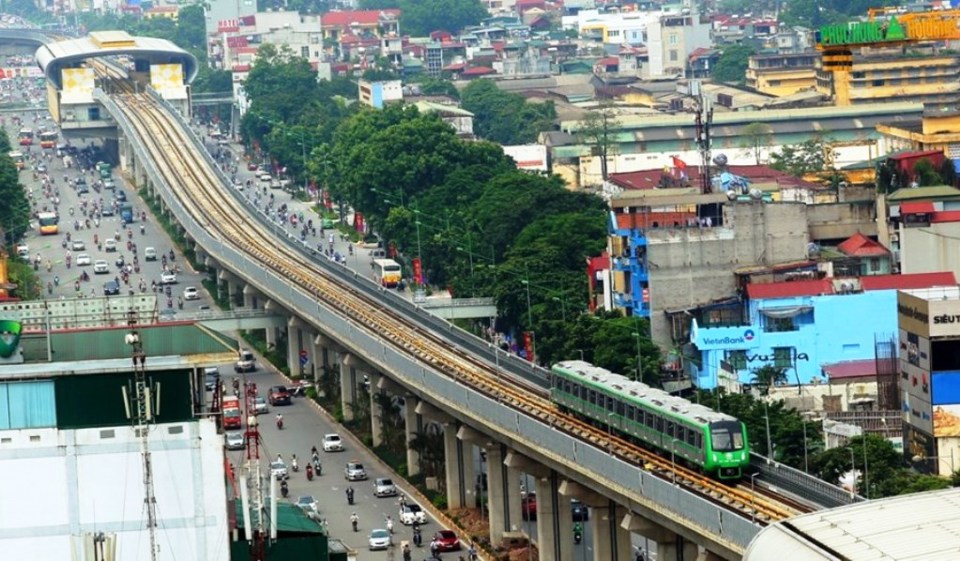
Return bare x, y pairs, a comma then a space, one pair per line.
673, 56
673, 39
878, 83
737, 359
783, 357
613, 33
875, 265
305, 51
778, 325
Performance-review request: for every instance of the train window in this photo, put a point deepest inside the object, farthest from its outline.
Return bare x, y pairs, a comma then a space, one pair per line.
691, 437
726, 436
592, 397
631, 413
611, 404
671, 429
620, 409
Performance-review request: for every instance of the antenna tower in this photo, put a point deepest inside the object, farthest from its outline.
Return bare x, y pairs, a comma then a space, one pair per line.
144, 410
704, 122
252, 434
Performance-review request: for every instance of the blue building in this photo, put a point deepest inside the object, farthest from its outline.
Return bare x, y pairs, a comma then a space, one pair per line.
802, 325
628, 265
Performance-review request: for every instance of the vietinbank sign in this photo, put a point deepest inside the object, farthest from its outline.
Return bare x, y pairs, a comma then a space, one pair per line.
731, 338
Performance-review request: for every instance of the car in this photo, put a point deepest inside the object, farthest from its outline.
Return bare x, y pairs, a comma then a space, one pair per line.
168, 277
246, 362
120, 196
410, 513
260, 406
579, 510
528, 506
278, 469
211, 375
107, 210
108, 183
447, 540
191, 293
109, 244
235, 441
279, 395
82, 189
111, 288
23, 251
379, 539
354, 472
101, 267
80, 180
384, 487
150, 254
83, 259
41, 167
251, 166
78, 245
309, 505
332, 443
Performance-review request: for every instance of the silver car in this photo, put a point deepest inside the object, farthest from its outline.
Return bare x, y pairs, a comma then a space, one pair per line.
354, 472
384, 487
235, 441
379, 539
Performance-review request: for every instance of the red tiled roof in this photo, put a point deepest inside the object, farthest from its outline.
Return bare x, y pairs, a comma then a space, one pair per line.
944, 216
859, 245
760, 291
908, 282
363, 17
914, 155
851, 369
455, 66
608, 61
478, 71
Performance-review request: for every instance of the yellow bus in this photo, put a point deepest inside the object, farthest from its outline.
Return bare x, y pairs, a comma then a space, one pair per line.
48, 223
48, 139
386, 272
17, 158
25, 137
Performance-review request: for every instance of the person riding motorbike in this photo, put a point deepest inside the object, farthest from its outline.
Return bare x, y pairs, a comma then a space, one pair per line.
279, 421
284, 490
355, 521
350, 495
294, 464
309, 472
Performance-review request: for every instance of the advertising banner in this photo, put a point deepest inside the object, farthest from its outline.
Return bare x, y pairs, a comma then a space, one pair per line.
946, 388
528, 345
417, 271
928, 318
918, 413
915, 349
723, 338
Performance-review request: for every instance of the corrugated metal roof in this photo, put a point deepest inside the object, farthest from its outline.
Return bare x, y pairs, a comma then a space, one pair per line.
933, 192
920, 527
851, 369
908, 282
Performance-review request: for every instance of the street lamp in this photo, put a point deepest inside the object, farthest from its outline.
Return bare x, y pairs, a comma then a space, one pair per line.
766, 418
419, 256
563, 307
806, 465
853, 475
639, 368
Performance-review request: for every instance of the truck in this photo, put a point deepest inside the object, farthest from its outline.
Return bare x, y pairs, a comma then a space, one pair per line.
232, 415
126, 213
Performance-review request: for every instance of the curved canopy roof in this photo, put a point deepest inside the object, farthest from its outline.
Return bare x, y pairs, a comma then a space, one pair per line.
54, 57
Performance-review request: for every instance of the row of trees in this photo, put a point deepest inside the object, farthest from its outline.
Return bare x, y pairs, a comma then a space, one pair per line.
418, 18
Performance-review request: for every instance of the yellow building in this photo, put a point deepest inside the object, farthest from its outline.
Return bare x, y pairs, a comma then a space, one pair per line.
782, 74
892, 77
170, 12
938, 129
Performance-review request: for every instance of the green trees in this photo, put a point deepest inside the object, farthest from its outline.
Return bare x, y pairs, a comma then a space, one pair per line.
15, 210
732, 66
504, 117
757, 136
810, 156
598, 130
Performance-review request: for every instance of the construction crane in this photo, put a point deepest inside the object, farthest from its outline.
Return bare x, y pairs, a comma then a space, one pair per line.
884, 27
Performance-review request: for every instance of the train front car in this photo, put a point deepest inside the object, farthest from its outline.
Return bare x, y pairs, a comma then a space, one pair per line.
728, 452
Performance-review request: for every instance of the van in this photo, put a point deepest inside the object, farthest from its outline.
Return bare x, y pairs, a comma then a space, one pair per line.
211, 375
265, 178
246, 363
150, 254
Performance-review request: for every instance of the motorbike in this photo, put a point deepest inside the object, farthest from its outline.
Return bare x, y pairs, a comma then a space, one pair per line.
309, 473
417, 536
279, 424
295, 465
317, 467
283, 489
355, 522
390, 525
350, 495
301, 388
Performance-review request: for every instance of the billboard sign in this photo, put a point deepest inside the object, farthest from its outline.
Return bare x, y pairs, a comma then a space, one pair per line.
723, 338
915, 349
928, 318
946, 388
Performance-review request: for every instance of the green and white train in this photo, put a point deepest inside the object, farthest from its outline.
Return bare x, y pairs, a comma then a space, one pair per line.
715, 442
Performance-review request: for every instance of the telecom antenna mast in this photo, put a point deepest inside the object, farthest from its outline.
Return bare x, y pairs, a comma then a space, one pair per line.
704, 122
258, 543
143, 402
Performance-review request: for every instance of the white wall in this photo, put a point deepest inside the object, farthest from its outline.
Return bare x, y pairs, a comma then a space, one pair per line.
65, 484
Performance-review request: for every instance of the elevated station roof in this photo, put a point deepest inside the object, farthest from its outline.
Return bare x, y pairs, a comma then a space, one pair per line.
921, 526
54, 57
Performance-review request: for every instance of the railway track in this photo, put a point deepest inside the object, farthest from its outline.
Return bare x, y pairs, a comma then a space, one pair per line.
225, 218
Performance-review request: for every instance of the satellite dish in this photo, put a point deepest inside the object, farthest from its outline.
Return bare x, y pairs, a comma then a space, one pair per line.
720, 159
756, 194
732, 195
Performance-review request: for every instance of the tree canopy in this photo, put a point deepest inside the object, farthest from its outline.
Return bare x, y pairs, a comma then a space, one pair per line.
419, 18
810, 156
504, 117
732, 66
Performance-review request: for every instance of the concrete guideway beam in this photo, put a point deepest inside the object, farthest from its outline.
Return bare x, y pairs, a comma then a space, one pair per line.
431, 413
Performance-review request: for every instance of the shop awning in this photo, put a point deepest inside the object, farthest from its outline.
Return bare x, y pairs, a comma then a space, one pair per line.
785, 311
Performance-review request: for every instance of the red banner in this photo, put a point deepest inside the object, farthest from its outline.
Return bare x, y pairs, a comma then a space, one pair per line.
417, 271
358, 222
528, 344
326, 200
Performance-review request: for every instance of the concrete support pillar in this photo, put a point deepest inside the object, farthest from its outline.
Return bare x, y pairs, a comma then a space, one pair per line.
498, 492
351, 376
295, 345
326, 351
251, 297
413, 424
270, 333
710, 556
376, 415
554, 520
611, 541
460, 472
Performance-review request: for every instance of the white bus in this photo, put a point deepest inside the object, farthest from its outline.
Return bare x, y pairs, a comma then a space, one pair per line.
386, 272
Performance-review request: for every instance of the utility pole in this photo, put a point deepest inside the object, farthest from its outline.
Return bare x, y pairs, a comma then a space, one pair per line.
252, 434
144, 409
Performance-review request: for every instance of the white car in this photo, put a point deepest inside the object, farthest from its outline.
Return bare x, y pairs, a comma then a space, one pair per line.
260, 406
191, 293
110, 244
278, 469
78, 245
384, 487
309, 506
101, 267
410, 513
332, 443
168, 277
236, 441
83, 259
379, 539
